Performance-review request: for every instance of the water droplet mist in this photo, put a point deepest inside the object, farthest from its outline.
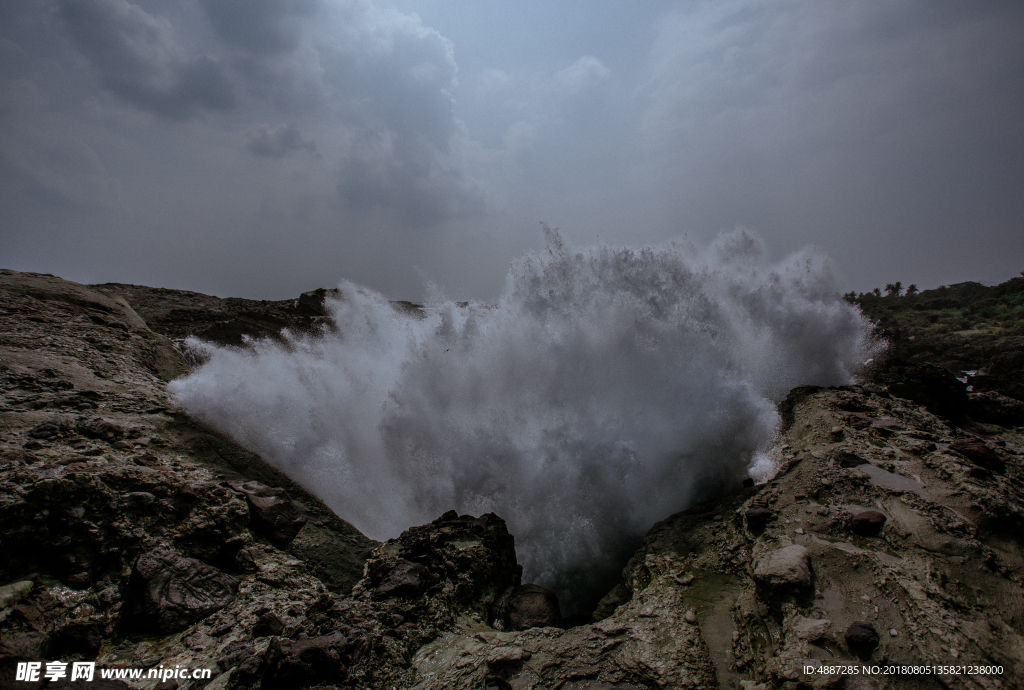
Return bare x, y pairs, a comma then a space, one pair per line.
608, 388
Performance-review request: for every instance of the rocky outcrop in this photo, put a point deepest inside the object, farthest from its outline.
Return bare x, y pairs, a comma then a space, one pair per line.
119, 516
167, 593
131, 535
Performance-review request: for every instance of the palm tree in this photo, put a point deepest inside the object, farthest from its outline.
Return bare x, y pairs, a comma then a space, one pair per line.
893, 289
912, 290
876, 292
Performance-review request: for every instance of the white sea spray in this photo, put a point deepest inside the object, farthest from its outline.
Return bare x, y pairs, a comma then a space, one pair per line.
608, 388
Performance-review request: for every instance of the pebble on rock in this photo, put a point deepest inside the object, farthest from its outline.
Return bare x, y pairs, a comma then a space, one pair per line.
861, 638
867, 523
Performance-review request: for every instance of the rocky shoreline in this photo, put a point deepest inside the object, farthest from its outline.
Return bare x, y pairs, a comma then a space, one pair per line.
135, 537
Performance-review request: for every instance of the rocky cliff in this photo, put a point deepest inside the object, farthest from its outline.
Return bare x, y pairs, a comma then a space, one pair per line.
135, 537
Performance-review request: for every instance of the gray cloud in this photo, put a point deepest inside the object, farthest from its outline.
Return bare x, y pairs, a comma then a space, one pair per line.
277, 142
890, 134
267, 27
137, 58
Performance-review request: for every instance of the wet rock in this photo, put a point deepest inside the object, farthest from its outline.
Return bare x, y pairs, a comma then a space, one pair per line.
979, 472
526, 606
78, 565
847, 459
468, 561
267, 625
297, 663
221, 624
757, 518
25, 645
867, 523
404, 579
788, 567
234, 653
215, 527
927, 385
168, 593
980, 454
861, 638
148, 460
313, 303
45, 430
79, 637
41, 611
991, 407
100, 429
272, 512
13, 593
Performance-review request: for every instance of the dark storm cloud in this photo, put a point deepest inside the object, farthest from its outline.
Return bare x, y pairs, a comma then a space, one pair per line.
266, 27
277, 142
136, 57
173, 141
378, 79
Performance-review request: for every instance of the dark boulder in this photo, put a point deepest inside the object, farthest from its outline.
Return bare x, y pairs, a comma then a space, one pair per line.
313, 303
272, 511
979, 472
80, 637
267, 625
928, 385
45, 430
757, 518
167, 592
991, 407
526, 606
297, 663
979, 454
867, 523
404, 579
861, 638
466, 560
847, 459
100, 429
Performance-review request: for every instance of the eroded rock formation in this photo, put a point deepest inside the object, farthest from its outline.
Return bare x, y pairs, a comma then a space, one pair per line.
132, 536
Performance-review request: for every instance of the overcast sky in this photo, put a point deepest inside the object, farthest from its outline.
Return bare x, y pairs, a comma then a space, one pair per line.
261, 148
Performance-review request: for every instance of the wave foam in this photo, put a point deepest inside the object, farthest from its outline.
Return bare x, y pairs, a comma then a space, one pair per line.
608, 388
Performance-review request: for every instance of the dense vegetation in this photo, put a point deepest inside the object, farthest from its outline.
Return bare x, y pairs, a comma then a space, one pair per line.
961, 328
965, 308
